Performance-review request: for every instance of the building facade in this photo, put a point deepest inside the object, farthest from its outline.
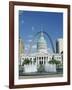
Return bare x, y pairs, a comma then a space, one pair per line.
42, 56
21, 47
59, 45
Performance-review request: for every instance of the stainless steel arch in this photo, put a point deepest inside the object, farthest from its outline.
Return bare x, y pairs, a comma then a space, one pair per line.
48, 38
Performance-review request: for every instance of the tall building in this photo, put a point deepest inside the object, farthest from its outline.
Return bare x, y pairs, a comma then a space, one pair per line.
21, 47
59, 45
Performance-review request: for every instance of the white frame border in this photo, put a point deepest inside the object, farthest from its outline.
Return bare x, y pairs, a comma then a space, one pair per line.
16, 35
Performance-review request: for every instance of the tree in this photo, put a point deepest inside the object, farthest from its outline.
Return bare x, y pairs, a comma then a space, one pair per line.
26, 61
41, 68
54, 61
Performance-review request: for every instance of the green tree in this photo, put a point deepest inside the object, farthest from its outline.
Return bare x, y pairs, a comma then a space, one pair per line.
54, 61
26, 61
41, 68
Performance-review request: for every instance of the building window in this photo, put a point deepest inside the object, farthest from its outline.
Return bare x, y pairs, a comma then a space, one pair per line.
39, 62
44, 58
44, 62
39, 58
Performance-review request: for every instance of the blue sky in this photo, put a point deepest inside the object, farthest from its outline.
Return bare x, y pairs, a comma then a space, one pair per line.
30, 22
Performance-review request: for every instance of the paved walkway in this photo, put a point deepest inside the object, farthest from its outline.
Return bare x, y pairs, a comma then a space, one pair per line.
41, 76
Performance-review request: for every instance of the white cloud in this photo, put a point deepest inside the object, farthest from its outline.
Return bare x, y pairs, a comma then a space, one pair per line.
30, 40
34, 46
